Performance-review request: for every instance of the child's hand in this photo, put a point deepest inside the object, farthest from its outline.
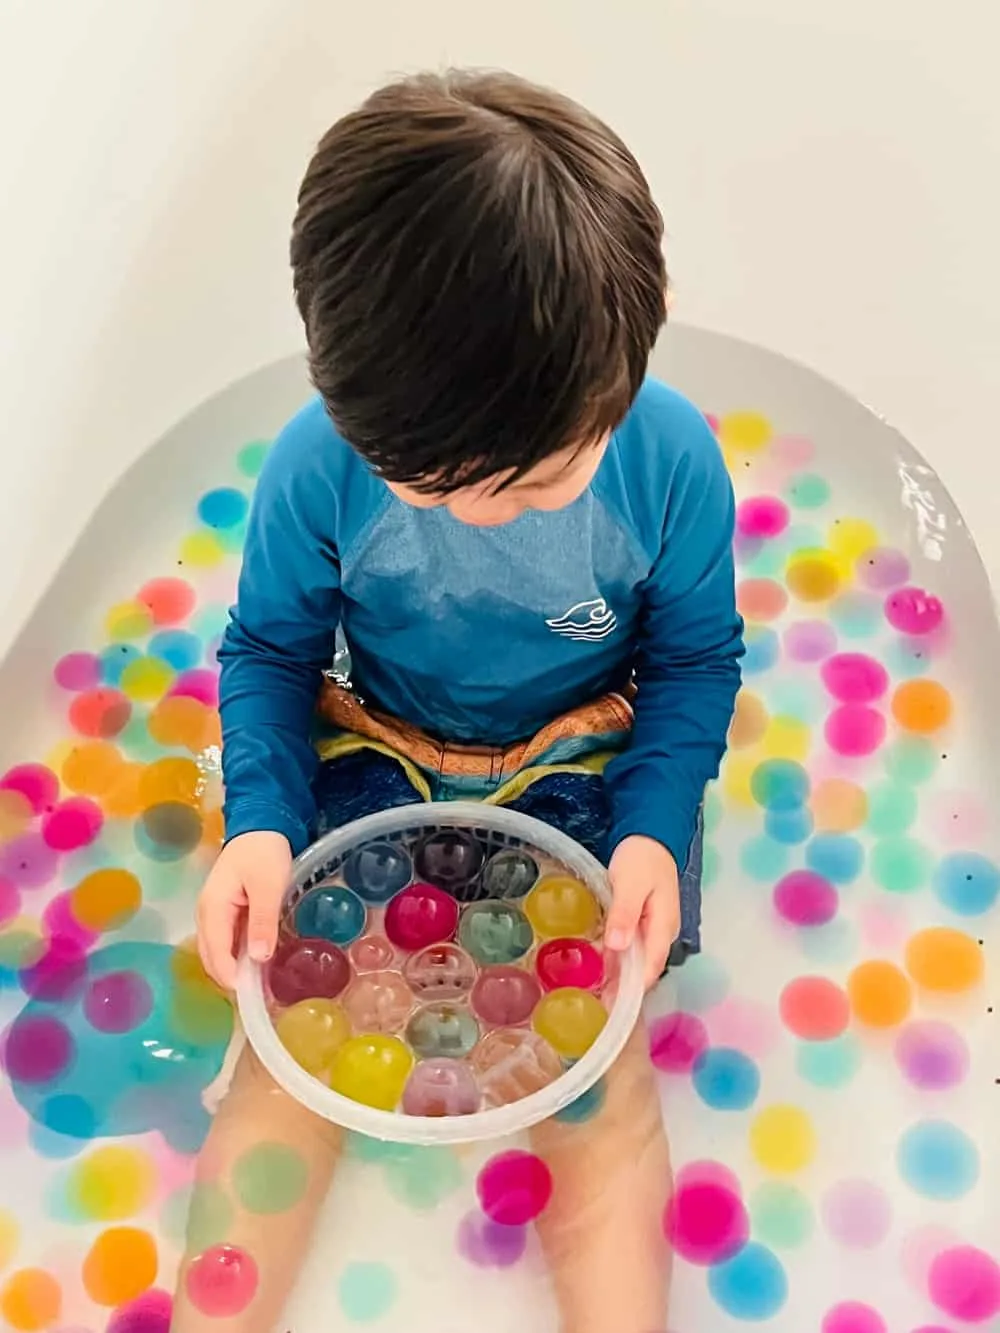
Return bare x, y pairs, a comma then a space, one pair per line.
250, 876
646, 898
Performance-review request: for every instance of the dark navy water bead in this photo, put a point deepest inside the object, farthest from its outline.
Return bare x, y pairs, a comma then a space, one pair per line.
332, 913
451, 859
378, 871
509, 874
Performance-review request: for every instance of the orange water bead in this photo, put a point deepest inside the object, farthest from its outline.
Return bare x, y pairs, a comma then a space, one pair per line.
122, 800
213, 829
879, 993
92, 768
749, 721
121, 1264
760, 599
106, 899
941, 959
180, 721
922, 706
16, 814
30, 1299
838, 806
170, 781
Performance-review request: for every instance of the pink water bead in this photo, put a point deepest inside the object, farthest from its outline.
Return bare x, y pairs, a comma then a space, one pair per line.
854, 730
854, 678
913, 611
419, 916
965, 1283
569, 962
804, 898
505, 996
762, 516
514, 1188
706, 1222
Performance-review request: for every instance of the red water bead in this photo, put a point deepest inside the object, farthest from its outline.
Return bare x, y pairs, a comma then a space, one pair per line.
170, 601
222, 1281
37, 784
419, 916
913, 611
569, 962
307, 970
705, 1222
72, 824
814, 1008
762, 516
505, 996
199, 683
854, 678
514, 1188
804, 898
100, 713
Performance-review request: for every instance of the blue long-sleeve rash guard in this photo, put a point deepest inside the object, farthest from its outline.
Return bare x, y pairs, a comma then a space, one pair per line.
484, 635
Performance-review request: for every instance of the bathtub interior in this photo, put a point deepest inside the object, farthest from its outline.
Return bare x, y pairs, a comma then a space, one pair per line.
829, 1065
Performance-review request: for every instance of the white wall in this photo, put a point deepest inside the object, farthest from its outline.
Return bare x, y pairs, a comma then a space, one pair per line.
828, 171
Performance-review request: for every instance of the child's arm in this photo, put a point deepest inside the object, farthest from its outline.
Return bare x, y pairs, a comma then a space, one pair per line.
279, 640
687, 673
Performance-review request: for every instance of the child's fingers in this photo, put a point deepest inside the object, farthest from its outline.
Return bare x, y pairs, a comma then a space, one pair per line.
264, 894
660, 927
624, 913
218, 914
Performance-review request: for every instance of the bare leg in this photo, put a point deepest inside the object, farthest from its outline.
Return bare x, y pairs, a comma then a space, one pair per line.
263, 1172
603, 1230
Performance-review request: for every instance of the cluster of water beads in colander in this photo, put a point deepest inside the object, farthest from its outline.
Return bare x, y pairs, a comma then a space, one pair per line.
437, 979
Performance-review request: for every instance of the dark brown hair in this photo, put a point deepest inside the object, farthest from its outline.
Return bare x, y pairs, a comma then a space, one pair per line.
478, 265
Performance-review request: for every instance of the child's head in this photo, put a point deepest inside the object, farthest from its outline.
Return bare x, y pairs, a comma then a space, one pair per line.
478, 264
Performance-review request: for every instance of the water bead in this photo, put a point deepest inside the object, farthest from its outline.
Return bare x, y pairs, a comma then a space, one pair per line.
372, 953
509, 874
311, 1032
512, 1063
378, 871
495, 932
882, 567
505, 996
967, 883
751, 1286
222, 1281
514, 1187
854, 730
835, 856
921, 706
879, 993
442, 1029
965, 1283
913, 611
763, 649
441, 1087
705, 1221
806, 490
372, 1069
943, 960
932, 1055
559, 906
450, 859
814, 1008
788, 827
307, 969
809, 641
331, 913
938, 1160
813, 575
570, 1020
760, 599
854, 678
118, 1002
892, 808
804, 898
440, 972
569, 962
378, 1002
761, 516
421, 915
779, 784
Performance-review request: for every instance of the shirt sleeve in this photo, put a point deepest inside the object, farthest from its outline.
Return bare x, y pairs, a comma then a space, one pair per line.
279, 640
687, 664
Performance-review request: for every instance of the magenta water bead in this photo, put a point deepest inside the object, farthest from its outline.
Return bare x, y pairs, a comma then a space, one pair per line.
441, 1087
569, 962
307, 970
419, 916
761, 516
913, 611
505, 996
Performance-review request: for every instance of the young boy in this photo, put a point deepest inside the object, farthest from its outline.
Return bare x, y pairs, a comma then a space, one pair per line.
526, 544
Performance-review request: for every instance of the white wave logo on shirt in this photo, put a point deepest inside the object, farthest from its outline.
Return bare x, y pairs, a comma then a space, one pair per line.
587, 622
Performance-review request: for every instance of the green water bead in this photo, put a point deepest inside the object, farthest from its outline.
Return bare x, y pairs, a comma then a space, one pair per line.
764, 858
423, 1177
250, 458
367, 1291
900, 865
210, 1217
270, 1178
912, 759
829, 1064
806, 490
781, 1216
892, 808
495, 932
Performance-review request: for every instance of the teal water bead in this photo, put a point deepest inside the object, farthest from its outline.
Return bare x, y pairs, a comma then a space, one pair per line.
779, 785
332, 913
892, 808
495, 932
806, 490
442, 1029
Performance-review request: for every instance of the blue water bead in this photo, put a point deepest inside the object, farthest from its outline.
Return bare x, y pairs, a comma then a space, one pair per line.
835, 856
751, 1286
967, 883
222, 508
764, 859
178, 647
779, 784
378, 871
726, 1080
938, 1160
789, 826
115, 658
332, 913
762, 649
